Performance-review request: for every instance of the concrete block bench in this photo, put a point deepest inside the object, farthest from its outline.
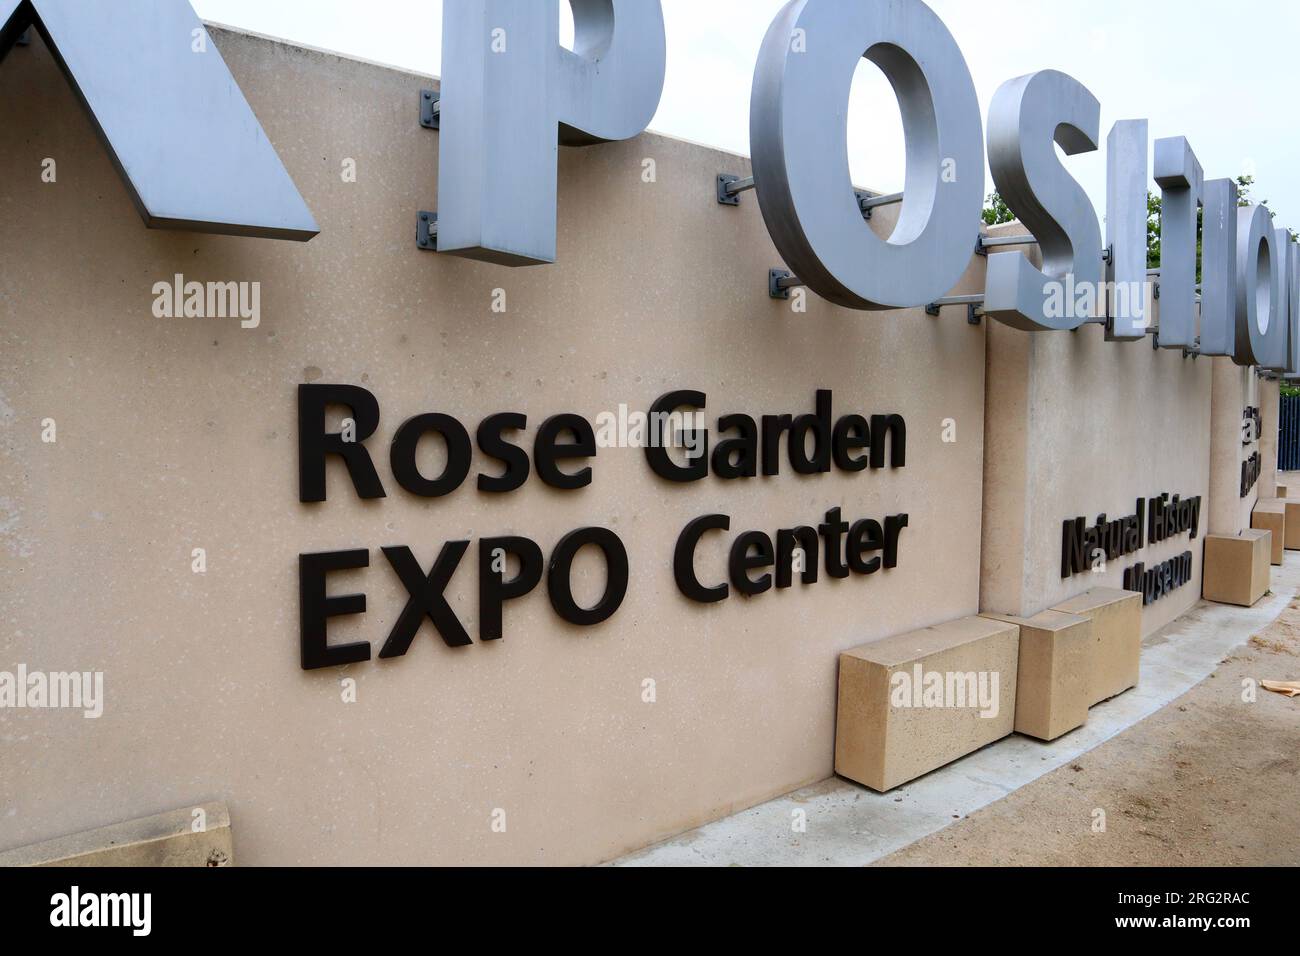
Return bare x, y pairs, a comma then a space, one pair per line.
1270, 515
1292, 539
1116, 649
1052, 677
1237, 566
913, 702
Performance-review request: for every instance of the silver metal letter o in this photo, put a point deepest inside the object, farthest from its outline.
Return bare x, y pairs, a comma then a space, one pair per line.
1261, 333
799, 140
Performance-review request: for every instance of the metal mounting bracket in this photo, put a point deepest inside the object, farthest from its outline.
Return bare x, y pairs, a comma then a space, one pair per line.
730, 197
426, 231
869, 201
780, 282
430, 109
863, 198
974, 306
729, 188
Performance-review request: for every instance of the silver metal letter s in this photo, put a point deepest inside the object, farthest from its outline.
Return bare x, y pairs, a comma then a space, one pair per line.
1028, 118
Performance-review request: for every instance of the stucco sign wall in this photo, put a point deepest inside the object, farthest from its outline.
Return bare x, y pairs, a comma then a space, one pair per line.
182, 433
411, 556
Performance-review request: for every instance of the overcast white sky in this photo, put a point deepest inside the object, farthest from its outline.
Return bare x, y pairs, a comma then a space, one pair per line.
1218, 73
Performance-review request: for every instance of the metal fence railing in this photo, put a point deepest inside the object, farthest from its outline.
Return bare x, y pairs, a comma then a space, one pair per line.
1288, 437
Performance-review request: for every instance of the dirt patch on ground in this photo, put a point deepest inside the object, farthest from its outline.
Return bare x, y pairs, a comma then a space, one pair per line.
1210, 780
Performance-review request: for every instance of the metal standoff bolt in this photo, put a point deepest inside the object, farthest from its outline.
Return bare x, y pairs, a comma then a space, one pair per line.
973, 303
780, 282
730, 187
868, 202
984, 243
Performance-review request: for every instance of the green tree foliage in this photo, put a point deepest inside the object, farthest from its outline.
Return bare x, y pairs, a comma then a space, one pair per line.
1153, 231
996, 211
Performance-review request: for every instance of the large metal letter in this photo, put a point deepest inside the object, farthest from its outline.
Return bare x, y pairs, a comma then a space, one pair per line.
1182, 186
179, 130
1278, 349
510, 93
1293, 309
1127, 171
1028, 118
1261, 332
1218, 269
799, 140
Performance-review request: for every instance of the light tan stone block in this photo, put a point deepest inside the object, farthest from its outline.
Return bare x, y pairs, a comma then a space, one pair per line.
890, 729
1237, 567
1116, 651
1292, 541
1052, 673
166, 839
1270, 515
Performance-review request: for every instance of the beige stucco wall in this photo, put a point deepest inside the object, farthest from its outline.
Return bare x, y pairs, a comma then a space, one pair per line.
174, 434
1235, 390
1078, 426
1269, 412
